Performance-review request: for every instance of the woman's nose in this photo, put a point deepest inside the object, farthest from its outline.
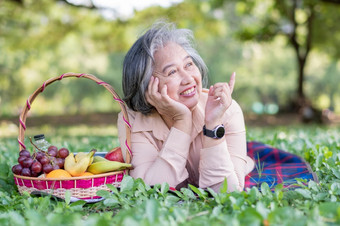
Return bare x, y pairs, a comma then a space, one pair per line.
186, 77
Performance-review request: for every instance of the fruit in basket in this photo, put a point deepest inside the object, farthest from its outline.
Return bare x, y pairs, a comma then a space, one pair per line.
47, 168
26, 172
115, 155
40, 162
107, 166
77, 168
38, 155
24, 152
60, 162
16, 169
58, 173
27, 162
79, 156
52, 150
21, 159
86, 174
98, 158
63, 153
36, 167
44, 160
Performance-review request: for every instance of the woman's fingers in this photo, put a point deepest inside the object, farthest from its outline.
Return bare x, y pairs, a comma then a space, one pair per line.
232, 82
155, 97
154, 85
220, 89
164, 91
152, 92
226, 88
221, 92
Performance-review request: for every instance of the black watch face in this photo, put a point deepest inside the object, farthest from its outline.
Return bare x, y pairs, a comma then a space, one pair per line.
220, 132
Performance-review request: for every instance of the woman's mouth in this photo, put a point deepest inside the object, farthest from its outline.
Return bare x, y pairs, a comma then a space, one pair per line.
189, 92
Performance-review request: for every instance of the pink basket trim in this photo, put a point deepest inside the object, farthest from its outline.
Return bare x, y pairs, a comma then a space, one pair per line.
129, 149
118, 99
85, 183
126, 122
22, 144
61, 76
22, 124
43, 87
28, 104
102, 83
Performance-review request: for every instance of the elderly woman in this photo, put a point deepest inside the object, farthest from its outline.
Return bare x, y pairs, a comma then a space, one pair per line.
181, 133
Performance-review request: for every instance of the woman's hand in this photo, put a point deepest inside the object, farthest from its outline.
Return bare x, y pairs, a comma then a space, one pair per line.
169, 109
219, 100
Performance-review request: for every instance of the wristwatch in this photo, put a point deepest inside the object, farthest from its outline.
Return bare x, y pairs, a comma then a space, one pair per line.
217, 132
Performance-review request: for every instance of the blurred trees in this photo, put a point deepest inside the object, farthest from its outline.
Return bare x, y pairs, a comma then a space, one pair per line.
43, 39
306, 25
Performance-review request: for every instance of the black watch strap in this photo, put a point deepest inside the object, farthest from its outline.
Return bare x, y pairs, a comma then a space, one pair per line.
217, 133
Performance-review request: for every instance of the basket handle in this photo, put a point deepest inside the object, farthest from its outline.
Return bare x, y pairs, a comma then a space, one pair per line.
23, 116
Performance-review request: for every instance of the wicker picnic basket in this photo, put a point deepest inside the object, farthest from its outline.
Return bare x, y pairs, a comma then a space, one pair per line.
80, 187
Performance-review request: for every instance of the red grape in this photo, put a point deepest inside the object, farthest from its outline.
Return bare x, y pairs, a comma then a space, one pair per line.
55, 166
26, 172
38, 155
34, 174
52, 147
52, 159
27, 162
52, 152
24, 153
16, 169
47, 168
60, 162
63, 152
21, 159
44, 160
36, 167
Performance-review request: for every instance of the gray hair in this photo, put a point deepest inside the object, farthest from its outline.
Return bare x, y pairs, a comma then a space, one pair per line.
138, 62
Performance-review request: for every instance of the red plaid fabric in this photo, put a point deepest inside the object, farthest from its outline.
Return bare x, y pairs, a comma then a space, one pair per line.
275, 166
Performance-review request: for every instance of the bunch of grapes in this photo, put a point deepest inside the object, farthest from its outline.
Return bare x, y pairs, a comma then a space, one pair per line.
40, 162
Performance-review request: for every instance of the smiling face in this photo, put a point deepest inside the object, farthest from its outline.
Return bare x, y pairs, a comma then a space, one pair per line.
176, 69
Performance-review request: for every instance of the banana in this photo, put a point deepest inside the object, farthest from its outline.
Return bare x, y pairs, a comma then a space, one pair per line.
80, 155
98, 158
77, 168
107, 166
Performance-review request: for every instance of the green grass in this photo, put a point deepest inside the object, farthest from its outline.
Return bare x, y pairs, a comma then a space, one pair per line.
138, 204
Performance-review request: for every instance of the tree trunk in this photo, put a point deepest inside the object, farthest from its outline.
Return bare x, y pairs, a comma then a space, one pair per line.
301, 73
301, 51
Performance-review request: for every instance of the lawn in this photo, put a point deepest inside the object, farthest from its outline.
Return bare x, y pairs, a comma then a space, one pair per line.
138, 204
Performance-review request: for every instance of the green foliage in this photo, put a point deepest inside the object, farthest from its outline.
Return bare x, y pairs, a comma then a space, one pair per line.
47, 38
308, 27
137, 203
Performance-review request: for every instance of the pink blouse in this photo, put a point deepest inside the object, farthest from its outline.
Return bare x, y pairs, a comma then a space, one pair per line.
168, 155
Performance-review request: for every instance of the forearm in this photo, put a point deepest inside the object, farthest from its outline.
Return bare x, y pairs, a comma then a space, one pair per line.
165, 165
226, 157
216, 165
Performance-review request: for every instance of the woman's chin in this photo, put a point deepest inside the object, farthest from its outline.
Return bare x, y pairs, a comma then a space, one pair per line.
192, 104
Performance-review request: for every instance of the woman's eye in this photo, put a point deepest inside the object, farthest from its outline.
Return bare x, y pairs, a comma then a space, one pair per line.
171, 72
188, 65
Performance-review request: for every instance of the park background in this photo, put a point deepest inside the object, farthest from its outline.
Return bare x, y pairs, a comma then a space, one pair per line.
285, 55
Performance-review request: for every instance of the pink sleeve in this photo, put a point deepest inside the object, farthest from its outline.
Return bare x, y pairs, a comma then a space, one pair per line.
227, 159
158, 166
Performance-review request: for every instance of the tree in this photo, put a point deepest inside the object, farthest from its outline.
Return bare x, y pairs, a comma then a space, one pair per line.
41, 39
306, 25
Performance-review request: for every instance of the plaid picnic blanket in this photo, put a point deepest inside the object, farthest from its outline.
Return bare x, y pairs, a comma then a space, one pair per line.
275, 166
